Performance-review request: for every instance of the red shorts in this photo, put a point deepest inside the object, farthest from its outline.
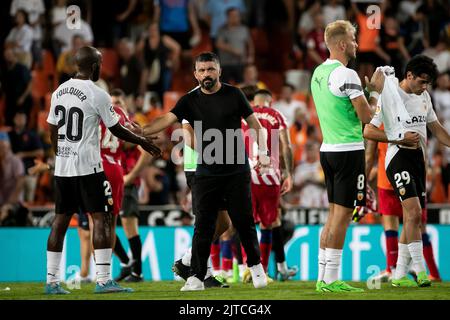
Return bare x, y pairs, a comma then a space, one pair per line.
265, 202
389, 205
114, 174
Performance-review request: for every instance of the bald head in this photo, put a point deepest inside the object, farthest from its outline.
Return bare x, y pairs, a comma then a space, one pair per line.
88, 60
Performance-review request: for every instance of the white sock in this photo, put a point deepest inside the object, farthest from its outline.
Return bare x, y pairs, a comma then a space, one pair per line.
242, 268
282, 267
416, 251
103, 264
53, 261
186, 260
333, 263
322, 264
208, 273
403, 260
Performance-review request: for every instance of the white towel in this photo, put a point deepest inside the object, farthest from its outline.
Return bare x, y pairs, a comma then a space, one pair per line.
393, 111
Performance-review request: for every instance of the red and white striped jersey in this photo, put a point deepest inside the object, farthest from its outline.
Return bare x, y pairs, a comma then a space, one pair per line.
111, 146
272, 122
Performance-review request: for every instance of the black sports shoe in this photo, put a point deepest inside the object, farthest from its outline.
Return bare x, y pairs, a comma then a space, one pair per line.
215, 282
181, 270
133, 278
124, 272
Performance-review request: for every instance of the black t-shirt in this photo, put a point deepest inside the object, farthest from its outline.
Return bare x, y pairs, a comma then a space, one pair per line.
221, 146
23, 142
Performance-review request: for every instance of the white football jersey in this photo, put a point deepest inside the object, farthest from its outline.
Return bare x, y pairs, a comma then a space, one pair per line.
420, 109
76, 109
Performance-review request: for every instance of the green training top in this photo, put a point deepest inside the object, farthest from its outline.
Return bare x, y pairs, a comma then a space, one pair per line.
337, 116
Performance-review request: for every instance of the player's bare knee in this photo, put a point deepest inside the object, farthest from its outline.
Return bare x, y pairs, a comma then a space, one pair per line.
414, 216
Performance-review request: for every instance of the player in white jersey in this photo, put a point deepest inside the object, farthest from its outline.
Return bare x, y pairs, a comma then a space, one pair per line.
76, 109
405, 165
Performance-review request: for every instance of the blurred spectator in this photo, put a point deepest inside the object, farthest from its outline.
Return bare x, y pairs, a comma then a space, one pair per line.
333, 10
315, 43
298, 133
26, 145
250, 77
434, 18
407, 10
16, 87
306, 21
176, 19
412, 26
391, 48
11, 179
59, 13
62, 35
20, 39
66, 67
217, 15
249, 92
367, 38
287, 105
441, 98
123, 12
440, 54
161, 58
235, 47
35, 10
130, 67
309, 179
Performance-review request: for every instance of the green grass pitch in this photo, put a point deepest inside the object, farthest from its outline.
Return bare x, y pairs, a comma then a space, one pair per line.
170, 290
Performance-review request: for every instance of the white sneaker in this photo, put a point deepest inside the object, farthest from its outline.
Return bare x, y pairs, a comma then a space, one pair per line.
259, 277
193, 284
384, 276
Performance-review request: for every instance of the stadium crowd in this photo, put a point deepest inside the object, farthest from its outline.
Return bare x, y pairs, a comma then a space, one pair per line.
148, 48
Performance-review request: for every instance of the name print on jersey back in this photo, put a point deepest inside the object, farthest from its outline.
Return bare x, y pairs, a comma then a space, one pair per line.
76, 109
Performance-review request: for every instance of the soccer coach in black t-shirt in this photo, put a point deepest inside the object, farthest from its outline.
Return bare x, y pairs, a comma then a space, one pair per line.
215, 110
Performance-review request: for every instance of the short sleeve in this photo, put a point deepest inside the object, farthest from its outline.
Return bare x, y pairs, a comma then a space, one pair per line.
377, 120
181, 109
431, 115
51, 118
245, 109
105, 110
344, 82
352, 86
281, 119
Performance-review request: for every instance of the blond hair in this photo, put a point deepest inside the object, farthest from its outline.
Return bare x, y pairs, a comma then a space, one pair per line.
336, 29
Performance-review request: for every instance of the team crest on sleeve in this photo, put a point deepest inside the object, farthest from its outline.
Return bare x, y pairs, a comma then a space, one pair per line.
110, 201
402, 191
360, 196
378, 110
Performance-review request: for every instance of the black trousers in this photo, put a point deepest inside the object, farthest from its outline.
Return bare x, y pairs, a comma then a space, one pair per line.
209, 192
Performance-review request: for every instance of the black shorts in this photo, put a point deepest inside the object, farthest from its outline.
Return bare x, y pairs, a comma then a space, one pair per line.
83, 220
345, 177
190, 180
214, 193
90, 193
406, 173
130, 203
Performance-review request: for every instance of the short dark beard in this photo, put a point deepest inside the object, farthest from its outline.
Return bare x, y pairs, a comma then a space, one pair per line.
210, 85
